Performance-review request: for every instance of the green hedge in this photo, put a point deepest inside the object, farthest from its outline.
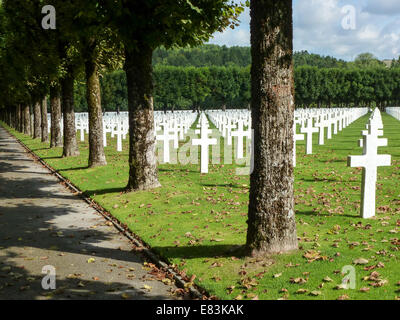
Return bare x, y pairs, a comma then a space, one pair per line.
215, 87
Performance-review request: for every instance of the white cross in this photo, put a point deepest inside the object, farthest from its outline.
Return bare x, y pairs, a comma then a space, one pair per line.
119, 132
369, 161
240, 134
329, 122
229, 126
321, 126
82, 127
204, 142
166, 137
309, 130
335, 124
106, 128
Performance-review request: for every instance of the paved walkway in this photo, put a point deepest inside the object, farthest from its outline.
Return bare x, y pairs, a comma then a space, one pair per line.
42, 223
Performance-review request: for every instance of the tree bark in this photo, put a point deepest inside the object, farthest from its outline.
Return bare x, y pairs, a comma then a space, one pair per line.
142, 159
55, 109
27, 119
32, 119
19, 118
271, 220
44, 124
70, 145
97, 156
37, 120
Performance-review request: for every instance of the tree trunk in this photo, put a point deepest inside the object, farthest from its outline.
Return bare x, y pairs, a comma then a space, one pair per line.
45, 127
27, 119
93, 97
19, 118
55, 109
31, 111
142, 158
271, 221
37, 120
70, 145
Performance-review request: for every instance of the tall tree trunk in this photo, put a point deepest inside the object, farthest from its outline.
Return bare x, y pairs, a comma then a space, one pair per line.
12, 117
70, 145
32, 119
19, 118
45, 126
271, 221
27, 119
142, 159
37, 120
97, 156
55, 109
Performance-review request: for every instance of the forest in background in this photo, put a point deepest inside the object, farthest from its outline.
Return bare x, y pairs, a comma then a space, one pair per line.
212, 76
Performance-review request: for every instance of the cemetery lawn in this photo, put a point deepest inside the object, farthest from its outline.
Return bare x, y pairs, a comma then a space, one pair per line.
194, 221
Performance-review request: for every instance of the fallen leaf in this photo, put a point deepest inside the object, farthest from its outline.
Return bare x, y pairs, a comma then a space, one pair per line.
360, 261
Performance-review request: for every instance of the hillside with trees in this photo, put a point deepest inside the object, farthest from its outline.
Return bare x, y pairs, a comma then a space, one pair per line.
211, 55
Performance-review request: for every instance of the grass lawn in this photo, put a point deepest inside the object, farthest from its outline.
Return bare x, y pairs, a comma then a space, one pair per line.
195, 220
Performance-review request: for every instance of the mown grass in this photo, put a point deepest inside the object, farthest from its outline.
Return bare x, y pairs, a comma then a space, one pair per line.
194, 221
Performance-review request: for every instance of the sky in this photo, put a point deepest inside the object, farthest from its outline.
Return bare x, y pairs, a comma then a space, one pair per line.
338, 28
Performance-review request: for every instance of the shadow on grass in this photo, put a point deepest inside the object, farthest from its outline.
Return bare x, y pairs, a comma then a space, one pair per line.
39, 149
202, 251
56, 157
319, 180
177, 170
227, 185
332, 161
105, 191
73, 168
344, 149
316, 214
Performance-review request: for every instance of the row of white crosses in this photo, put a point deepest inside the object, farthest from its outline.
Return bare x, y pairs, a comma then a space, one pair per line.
316, 120
117, 125
82, 124
232, 123
370, 160
394, 112
173, 127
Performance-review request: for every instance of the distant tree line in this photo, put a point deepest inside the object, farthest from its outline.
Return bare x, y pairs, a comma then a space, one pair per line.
221, 56
229, 87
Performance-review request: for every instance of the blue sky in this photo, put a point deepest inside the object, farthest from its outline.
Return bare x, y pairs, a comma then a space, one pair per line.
318, 28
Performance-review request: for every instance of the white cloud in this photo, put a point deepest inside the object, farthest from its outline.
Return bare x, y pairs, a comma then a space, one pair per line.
383, 7
318, 28
236, 37
240, 36
368, 32
315, 13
